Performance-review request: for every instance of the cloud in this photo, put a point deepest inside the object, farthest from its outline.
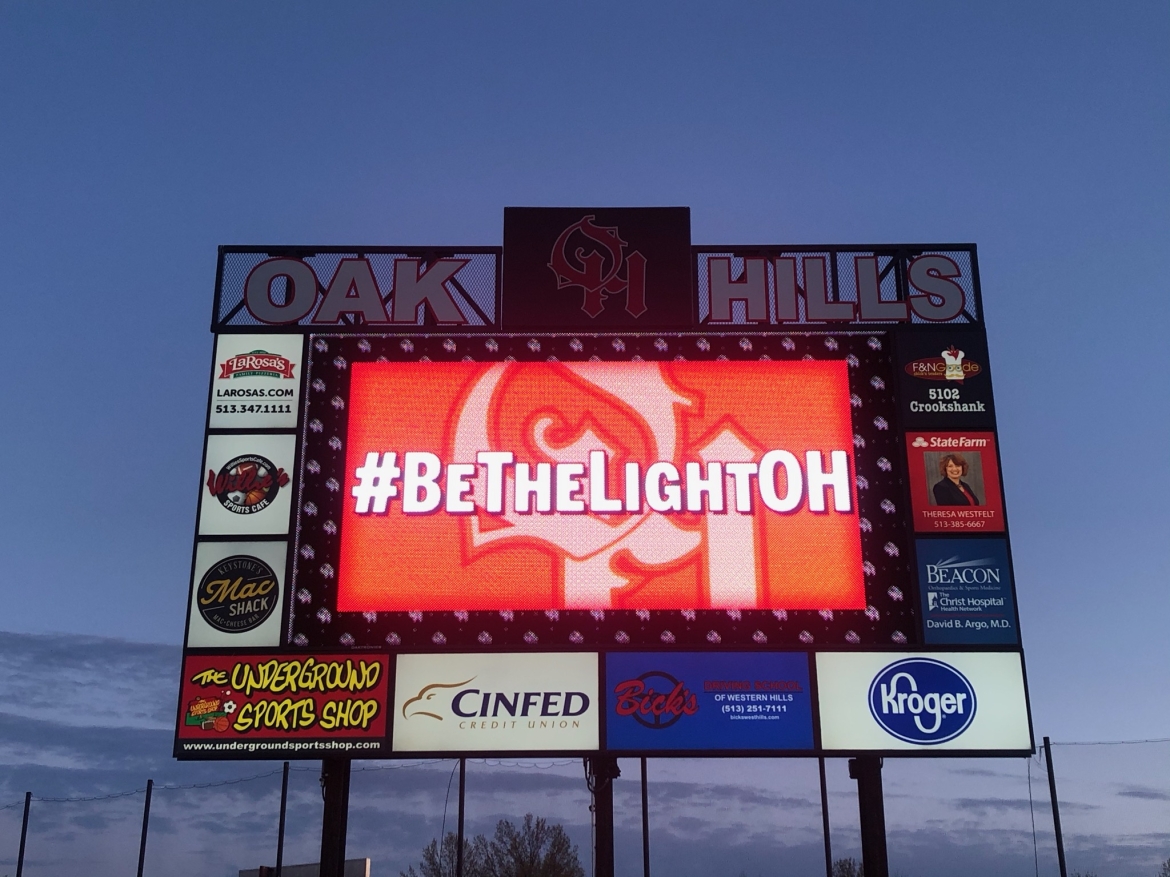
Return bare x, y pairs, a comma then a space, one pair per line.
89, 681
982, 805
1144, 793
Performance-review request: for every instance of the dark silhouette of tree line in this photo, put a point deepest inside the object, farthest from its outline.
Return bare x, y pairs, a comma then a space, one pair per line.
534, 849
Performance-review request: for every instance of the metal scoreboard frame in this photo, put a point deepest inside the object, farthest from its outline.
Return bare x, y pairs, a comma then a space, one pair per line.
797, 544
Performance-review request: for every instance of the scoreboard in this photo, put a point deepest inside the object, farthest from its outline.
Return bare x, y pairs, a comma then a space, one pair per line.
600, 489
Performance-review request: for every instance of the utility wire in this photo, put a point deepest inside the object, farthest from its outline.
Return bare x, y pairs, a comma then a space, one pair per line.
1032, 812
1108, 742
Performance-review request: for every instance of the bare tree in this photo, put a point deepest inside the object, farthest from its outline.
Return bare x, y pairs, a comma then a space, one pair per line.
438, 862
847, 868
535, 849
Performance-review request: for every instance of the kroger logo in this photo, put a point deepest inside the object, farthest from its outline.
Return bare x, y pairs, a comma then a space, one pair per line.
921, 700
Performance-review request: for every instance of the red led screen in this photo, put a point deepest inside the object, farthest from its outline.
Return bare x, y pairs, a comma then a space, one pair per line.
609, 485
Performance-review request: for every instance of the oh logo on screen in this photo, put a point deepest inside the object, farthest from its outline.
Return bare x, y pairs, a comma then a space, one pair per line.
923, 701
615, 416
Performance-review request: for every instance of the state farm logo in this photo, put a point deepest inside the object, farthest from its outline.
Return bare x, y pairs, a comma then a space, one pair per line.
922, 700
950, 365
246, 484
601, 485
593, 257
655, 700
257, 364
237, 594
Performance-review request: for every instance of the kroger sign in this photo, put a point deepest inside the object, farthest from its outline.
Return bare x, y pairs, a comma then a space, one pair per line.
922, 700
966, 701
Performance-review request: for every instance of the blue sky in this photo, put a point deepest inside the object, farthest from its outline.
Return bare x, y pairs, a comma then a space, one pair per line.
136, 138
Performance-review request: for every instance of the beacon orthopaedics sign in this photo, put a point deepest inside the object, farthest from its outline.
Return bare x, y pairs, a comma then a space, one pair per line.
599, 485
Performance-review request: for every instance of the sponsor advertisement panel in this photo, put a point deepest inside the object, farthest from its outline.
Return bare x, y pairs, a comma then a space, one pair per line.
600, 485
277, 706
966, 590
496, 703
874, 701
944, 379
696, 701
954, 482
236, 594
246, 485
256, 382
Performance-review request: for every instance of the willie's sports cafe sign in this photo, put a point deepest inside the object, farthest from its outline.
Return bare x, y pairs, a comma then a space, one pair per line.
600, 489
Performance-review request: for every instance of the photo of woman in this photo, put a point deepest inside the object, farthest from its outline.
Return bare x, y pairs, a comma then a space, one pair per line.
954, 482
952, 489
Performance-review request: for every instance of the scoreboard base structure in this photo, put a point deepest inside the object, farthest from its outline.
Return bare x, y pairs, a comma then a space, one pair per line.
775, 704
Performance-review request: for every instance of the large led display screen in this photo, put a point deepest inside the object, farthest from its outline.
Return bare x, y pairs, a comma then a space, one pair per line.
651, 489
599, 486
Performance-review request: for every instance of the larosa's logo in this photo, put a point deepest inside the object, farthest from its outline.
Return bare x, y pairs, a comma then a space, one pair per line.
257, 364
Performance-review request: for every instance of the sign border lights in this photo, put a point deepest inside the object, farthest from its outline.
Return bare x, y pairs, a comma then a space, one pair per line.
325, 508
901, 701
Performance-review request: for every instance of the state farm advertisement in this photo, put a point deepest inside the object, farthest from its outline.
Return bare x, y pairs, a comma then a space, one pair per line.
548, 485
954, 482
274, 706
705, 702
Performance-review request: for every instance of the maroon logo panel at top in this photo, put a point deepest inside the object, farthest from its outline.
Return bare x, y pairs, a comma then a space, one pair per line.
599, 269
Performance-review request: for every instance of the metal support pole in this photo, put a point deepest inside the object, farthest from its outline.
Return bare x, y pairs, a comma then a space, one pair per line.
280, 825
334, 819
462, 810
645, 824
867, 770
23, 835
145, 826
825, 818
603, 770
1055, 807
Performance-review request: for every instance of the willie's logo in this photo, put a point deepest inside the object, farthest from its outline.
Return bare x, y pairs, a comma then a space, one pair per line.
655, 707
247, 484
593, 258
